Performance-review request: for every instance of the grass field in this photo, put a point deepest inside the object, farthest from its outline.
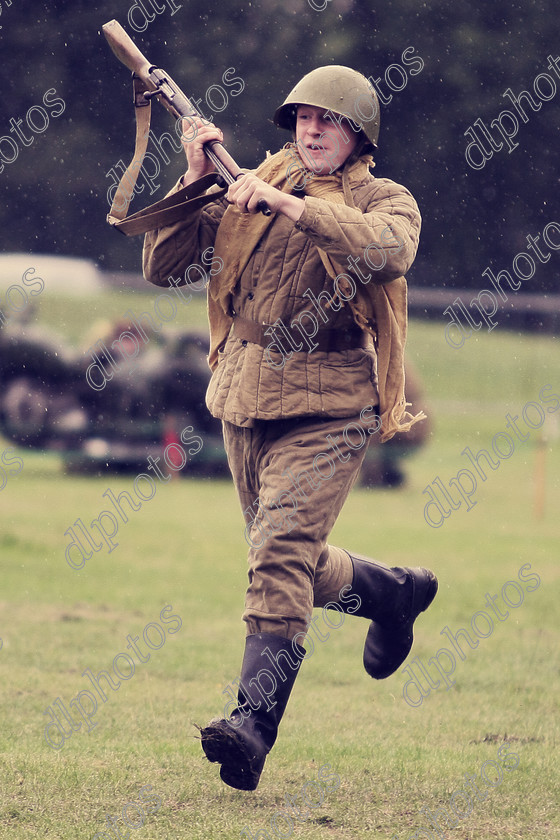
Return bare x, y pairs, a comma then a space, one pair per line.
185, 550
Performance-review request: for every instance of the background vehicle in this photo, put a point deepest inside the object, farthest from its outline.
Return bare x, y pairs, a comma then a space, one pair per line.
46, 402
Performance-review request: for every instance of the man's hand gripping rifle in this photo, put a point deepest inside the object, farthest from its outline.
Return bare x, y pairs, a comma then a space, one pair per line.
150, 81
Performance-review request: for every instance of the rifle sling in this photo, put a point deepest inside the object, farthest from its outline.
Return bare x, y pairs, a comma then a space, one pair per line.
169, 210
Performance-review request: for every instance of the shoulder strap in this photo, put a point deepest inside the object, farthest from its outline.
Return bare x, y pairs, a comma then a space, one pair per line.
170, 209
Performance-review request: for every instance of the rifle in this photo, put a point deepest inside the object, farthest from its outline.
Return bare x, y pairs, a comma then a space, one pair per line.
149, 82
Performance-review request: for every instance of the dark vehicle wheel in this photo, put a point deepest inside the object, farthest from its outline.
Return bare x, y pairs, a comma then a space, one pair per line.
24, 409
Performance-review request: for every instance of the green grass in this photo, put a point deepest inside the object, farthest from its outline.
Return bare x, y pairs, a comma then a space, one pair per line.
185, 548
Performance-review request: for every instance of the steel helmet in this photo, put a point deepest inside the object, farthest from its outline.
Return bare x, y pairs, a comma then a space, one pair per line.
339, 89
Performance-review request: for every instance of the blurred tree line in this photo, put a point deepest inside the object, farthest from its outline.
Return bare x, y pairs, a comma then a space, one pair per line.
54, 192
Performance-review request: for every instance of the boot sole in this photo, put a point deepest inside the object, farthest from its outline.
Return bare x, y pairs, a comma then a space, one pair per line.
222, 745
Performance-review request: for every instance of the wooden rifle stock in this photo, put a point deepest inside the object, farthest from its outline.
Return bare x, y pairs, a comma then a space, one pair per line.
126, 50
170, 95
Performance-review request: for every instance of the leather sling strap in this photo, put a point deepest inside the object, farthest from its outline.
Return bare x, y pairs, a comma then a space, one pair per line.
167, 211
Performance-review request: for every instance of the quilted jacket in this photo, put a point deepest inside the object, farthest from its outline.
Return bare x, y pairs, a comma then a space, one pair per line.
280, 281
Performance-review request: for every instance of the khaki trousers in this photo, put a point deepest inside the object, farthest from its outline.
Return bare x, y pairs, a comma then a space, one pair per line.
293, 477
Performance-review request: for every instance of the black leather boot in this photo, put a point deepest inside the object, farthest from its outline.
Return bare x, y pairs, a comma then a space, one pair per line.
392, 598
241, 742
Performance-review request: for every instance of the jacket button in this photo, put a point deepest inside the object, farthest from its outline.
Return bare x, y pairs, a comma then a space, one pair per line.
244, 342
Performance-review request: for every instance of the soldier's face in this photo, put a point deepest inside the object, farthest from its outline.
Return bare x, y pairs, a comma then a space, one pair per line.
328, 138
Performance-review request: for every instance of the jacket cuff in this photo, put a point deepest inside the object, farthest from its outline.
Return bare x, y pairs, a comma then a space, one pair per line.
307, 219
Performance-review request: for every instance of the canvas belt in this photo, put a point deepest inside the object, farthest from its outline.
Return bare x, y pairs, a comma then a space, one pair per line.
327, 340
